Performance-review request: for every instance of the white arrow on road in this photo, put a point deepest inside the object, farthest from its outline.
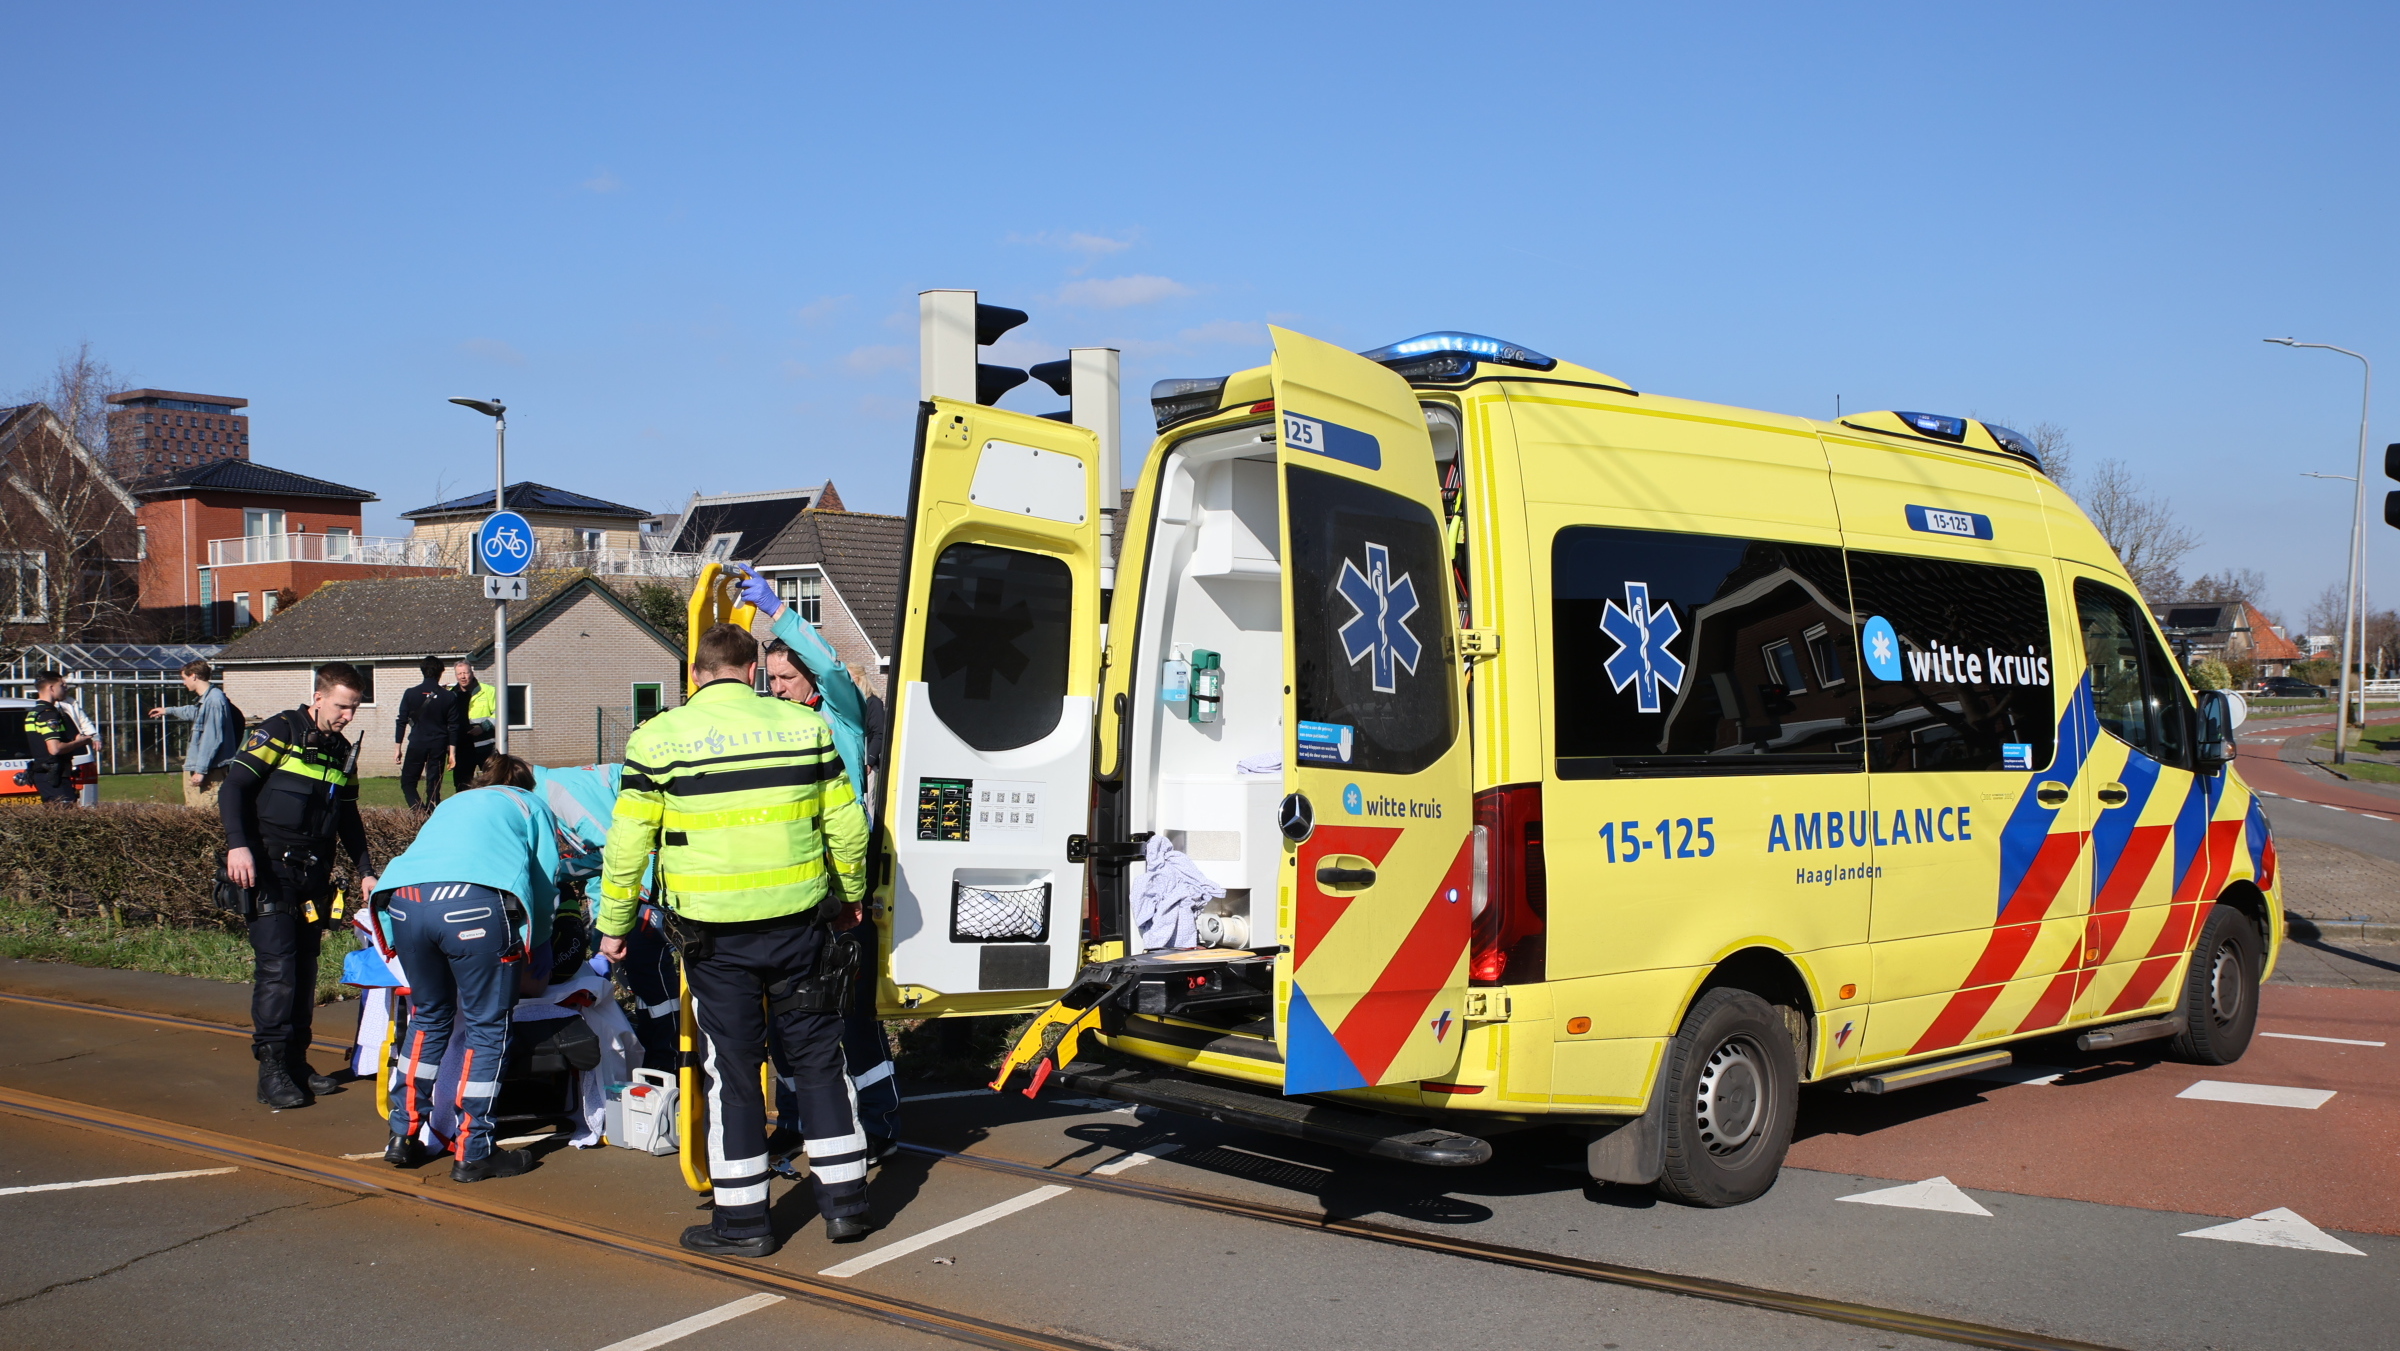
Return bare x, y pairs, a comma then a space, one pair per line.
1934, 1193
2277, 1228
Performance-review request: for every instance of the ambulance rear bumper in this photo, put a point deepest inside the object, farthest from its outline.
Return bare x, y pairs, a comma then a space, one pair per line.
1370, 1133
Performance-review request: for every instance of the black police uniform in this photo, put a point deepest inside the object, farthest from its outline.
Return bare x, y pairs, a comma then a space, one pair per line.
433, 718
52, 776
289, 795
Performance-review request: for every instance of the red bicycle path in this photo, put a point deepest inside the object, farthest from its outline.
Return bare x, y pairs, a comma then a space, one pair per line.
2263, 767
2112, 1130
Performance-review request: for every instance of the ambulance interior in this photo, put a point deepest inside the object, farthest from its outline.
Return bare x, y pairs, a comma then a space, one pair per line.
1213, 589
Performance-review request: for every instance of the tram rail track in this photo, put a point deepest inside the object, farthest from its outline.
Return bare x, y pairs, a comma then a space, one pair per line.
982, 1332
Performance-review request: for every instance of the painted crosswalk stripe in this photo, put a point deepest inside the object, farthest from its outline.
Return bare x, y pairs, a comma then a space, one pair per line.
944, 1232
117, 1181
674, 1332
2258, 1095
1134, 1158
2302, 1036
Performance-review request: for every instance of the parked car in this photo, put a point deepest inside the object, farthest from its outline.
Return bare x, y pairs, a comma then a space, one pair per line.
15, 756
2291, 687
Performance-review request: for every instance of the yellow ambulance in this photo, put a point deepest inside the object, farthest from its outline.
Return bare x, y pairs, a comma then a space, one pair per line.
1538, 750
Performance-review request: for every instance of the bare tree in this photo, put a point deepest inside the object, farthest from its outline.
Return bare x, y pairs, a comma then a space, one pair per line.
2246, 586
2141, 528
2050, 445
77, 392
67, 538
2327, 612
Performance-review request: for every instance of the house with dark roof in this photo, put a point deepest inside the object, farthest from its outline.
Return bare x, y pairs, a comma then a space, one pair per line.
570, 529
227, 542
843, 571
2228, 630
737, 527
583, 667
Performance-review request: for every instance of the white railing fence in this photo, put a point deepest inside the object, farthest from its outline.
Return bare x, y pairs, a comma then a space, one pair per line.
369, 550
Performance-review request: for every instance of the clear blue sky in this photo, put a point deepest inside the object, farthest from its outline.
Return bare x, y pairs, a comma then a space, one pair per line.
684, 242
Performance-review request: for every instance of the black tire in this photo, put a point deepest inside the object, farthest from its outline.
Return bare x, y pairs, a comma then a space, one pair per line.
1733, 1087
2220, 991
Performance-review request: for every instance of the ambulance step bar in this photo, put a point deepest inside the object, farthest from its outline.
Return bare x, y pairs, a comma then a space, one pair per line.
1371, 1133
1915, 1076
2126, 1034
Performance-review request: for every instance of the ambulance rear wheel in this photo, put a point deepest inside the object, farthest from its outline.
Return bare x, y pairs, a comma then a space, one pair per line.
2220, 991
1733, 1086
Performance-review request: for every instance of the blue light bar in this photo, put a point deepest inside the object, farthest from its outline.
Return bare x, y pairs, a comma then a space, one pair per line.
1473, 346
1934, 424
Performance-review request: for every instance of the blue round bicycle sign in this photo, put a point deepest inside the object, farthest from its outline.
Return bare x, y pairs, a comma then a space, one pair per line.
504, 544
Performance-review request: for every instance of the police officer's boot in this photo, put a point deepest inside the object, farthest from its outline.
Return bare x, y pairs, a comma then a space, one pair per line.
275, 1086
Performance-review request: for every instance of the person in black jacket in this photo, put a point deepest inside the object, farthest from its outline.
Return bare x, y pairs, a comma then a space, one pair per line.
289, 795
425, 736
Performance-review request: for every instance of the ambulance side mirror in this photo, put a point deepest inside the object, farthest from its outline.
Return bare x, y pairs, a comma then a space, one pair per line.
2221, 714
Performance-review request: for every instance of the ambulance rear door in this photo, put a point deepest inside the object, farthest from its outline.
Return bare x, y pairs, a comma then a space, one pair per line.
991, 694
1376, 766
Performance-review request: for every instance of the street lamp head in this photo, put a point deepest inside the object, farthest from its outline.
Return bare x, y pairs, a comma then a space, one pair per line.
491, 407
2288, 342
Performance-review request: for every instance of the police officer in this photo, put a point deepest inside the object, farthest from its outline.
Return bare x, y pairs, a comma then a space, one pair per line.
426, 733
745, 798
478, 733
51, 734
289, 795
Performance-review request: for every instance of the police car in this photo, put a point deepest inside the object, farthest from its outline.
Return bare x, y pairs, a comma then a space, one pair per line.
16, 756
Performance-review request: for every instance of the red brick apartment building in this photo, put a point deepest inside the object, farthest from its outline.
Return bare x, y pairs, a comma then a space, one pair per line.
161, 431
227, 542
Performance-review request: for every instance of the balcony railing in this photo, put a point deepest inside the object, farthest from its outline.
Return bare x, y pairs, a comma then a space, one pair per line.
366, 550
624, 562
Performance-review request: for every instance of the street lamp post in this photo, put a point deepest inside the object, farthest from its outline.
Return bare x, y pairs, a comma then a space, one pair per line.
498, 413
2354, 620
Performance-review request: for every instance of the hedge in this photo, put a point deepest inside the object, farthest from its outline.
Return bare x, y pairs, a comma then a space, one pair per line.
143, 862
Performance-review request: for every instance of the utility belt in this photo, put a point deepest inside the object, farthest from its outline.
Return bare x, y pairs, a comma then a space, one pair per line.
288, 876
824, 990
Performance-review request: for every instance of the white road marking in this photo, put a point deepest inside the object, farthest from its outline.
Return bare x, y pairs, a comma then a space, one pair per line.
1934, 1193
675, 1332
118, 1181
2338, 1041
518, 1141
1134, 1158
2258, 1095
2020, 1074
954, 1093
2277, 1228
942, 1232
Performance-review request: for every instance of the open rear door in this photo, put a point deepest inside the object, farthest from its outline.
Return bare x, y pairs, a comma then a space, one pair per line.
1375, 754
991, 696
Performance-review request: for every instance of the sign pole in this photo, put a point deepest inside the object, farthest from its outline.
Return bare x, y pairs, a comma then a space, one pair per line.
500, 606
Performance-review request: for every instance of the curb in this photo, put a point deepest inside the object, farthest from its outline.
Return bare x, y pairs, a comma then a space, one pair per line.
2355, 930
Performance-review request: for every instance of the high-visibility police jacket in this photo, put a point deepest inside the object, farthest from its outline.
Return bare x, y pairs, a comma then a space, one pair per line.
479, 731
293, 784
746, 802
46, 722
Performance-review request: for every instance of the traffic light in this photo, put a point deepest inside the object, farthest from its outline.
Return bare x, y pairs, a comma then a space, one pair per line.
2391, 470
951, 328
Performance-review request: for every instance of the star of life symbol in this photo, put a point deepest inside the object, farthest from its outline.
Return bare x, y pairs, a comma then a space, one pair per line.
1642, 635
1379, 628
1881, 648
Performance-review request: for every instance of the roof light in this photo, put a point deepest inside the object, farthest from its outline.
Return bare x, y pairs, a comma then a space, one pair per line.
1934, 424
2015, 442
1472, 347
1174, 401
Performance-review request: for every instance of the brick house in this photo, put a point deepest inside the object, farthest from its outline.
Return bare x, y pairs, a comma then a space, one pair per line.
2228, 630
158, 431
227, 542
569, 529
842, 570
581, 664
737, 527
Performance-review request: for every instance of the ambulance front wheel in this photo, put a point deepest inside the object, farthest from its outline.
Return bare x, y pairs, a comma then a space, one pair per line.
2220, 990
1733, 1087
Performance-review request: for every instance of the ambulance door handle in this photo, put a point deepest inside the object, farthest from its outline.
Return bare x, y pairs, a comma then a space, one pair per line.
2050, 793
2112, 794
1345, 879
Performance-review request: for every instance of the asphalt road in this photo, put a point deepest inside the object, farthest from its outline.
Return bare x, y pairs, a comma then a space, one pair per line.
2087, 1186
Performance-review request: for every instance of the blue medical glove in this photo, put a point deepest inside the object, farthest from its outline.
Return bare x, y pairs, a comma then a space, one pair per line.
758, 591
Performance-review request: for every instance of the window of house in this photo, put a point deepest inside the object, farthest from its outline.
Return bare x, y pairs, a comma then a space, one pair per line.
141, 541
1679, 654
589, 539
720, 547
805, 593
647, 696
339, 542
520, 706
241, 610
25, 586
266, 606
1825, 653
1957, 663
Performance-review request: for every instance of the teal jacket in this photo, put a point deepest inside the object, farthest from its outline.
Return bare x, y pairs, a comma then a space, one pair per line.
498, 837
580, 802
844, 707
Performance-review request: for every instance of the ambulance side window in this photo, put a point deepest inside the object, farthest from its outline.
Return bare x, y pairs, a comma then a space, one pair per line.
996, 644
2134, 689
1688, 654
1957, 663
1370, 585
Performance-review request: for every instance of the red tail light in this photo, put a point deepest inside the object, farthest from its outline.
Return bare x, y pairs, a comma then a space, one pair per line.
1511, 887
